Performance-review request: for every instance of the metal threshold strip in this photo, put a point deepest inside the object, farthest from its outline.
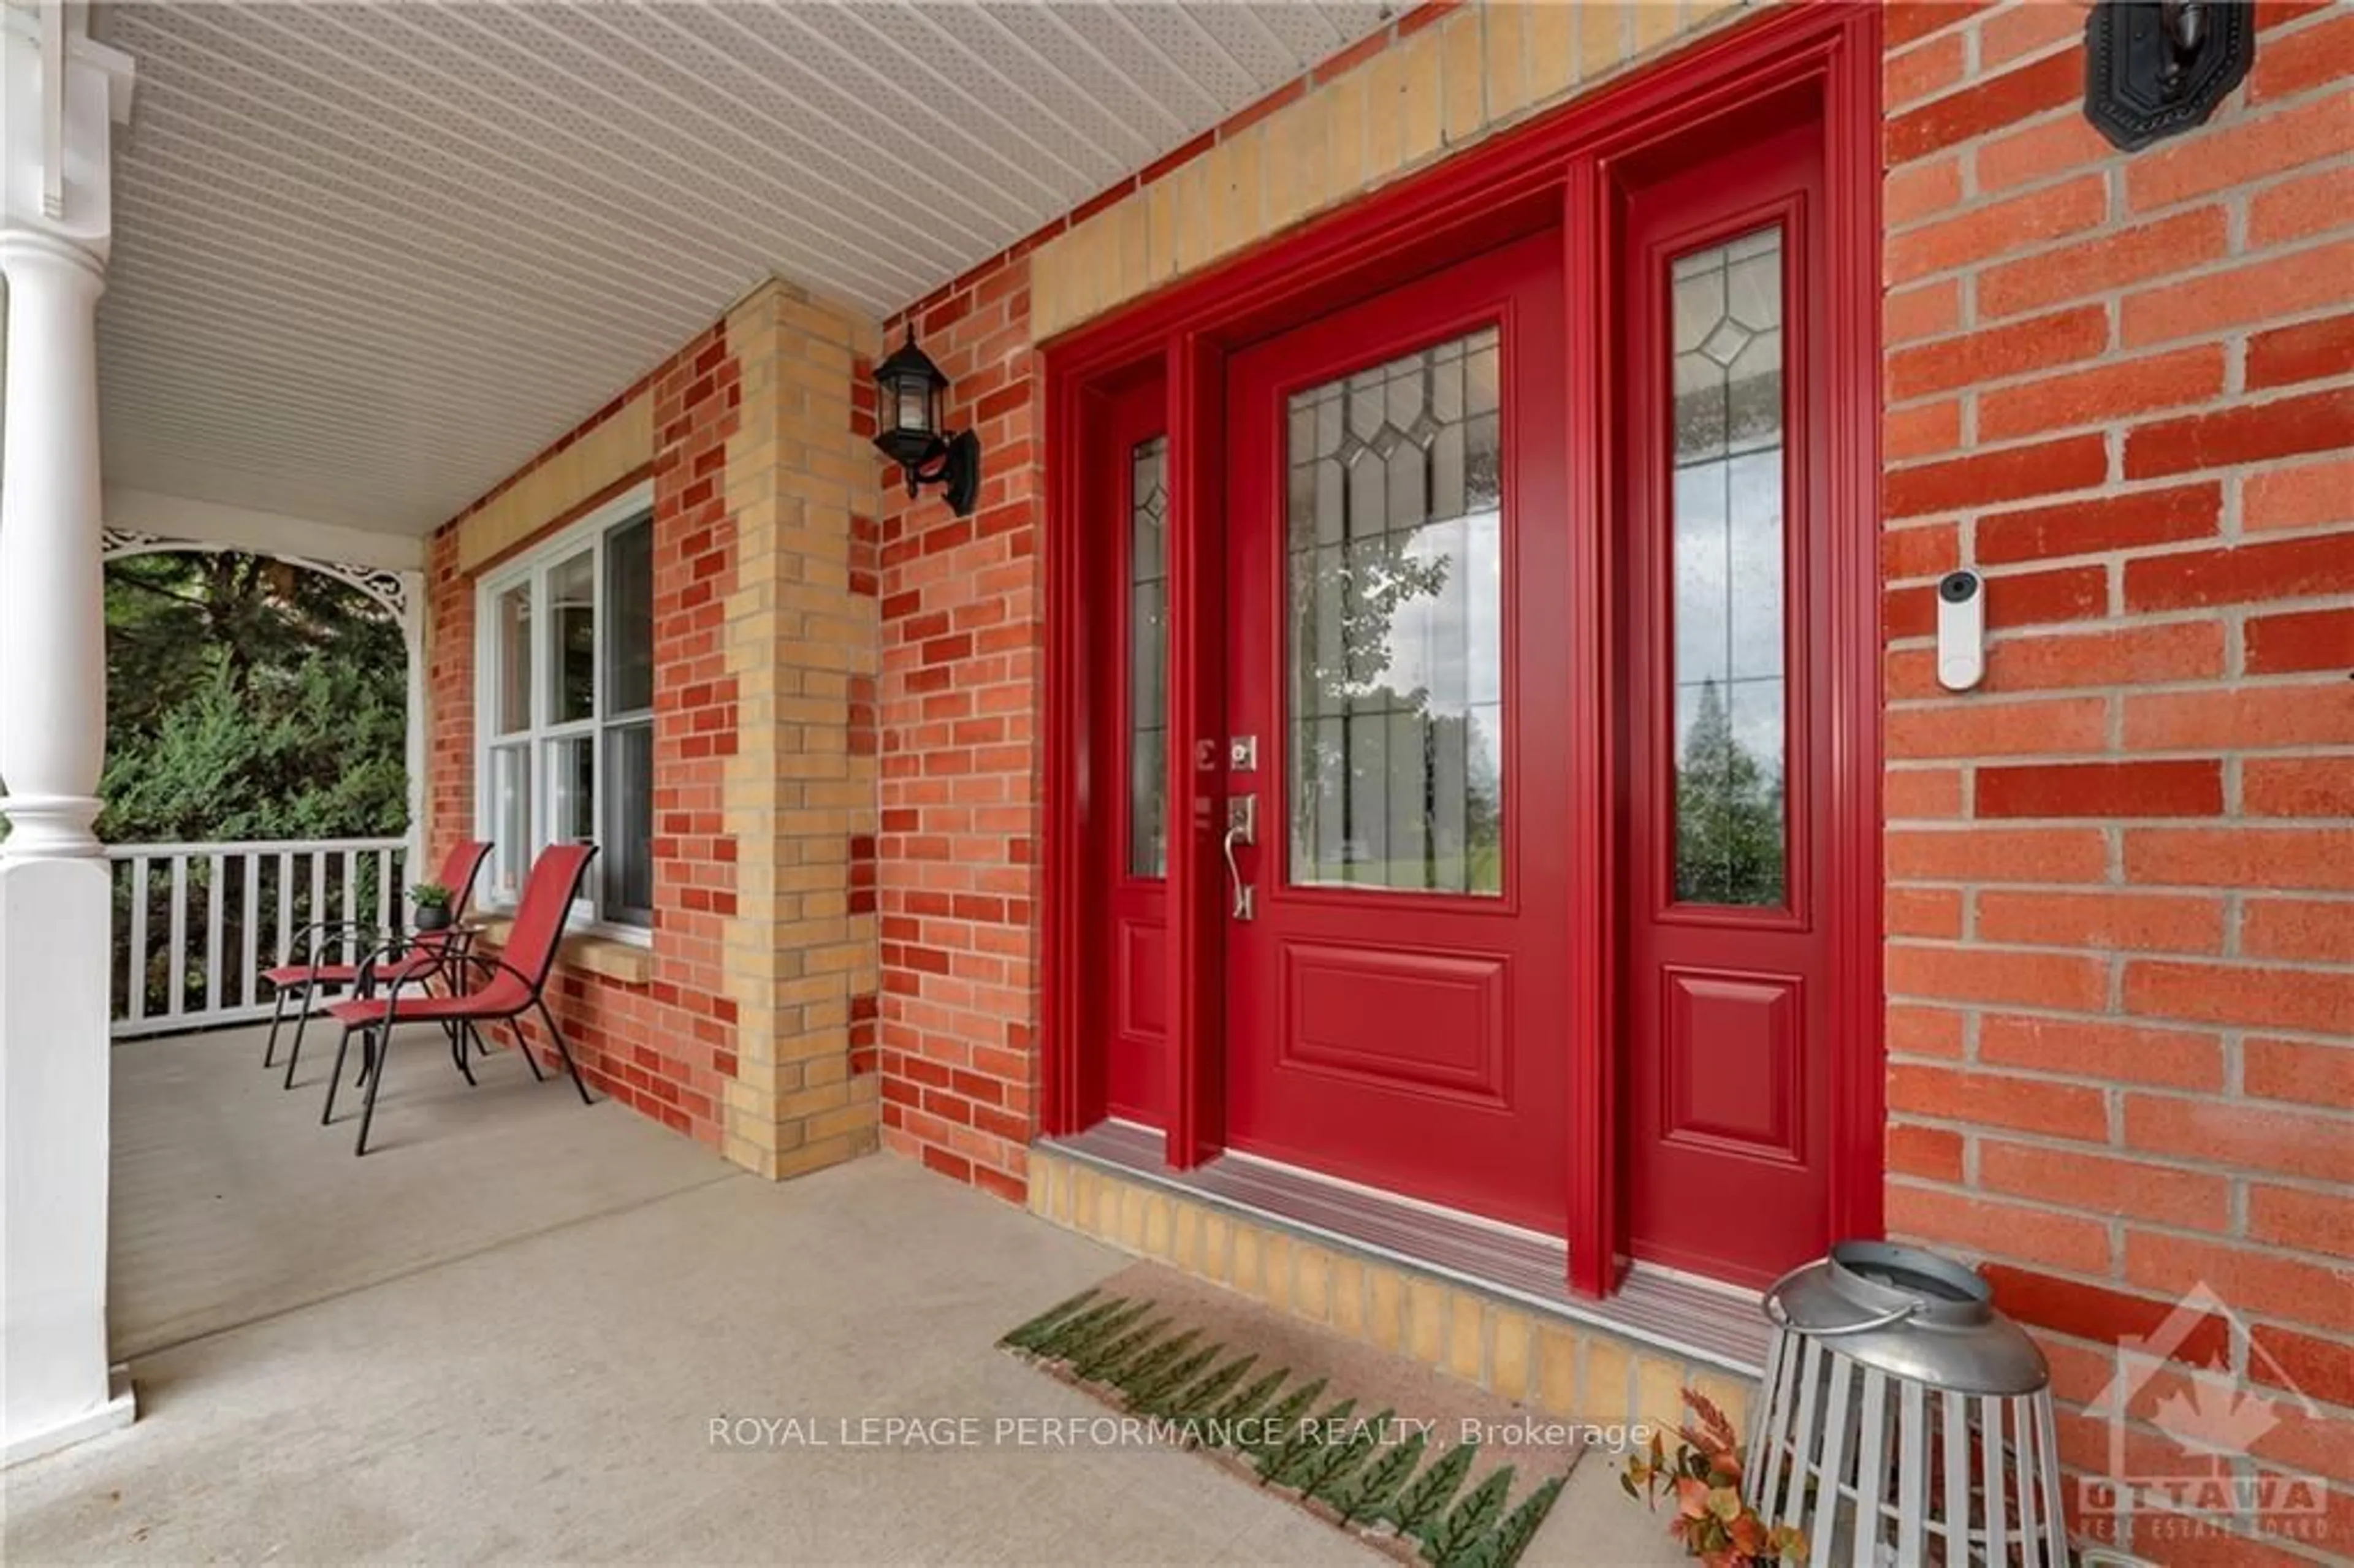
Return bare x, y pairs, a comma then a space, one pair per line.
1698, 1319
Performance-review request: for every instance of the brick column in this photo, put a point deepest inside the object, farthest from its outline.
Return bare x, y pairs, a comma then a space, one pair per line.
798, 798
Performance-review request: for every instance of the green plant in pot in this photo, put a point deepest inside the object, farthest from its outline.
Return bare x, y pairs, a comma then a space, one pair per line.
432, 901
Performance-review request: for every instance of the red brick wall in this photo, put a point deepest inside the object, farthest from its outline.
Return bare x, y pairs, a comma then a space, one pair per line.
2120, 954
958, 850
664, 1047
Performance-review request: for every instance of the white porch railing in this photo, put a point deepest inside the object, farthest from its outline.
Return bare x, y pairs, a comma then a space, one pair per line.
196, 925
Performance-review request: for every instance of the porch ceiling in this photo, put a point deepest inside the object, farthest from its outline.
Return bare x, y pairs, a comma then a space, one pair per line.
370, 258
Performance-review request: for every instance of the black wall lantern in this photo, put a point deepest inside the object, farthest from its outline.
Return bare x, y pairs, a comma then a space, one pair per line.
910, 388
2154, 69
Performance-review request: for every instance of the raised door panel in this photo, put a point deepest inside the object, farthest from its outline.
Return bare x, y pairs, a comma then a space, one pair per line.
1732, 1073
1417, 1023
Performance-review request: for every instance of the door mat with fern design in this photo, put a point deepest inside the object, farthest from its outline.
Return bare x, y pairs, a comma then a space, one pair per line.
1420, 1466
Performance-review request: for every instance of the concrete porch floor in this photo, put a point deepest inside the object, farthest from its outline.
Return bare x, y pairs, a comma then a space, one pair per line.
503, 1336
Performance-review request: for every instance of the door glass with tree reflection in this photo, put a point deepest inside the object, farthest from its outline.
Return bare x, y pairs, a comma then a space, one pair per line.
1395, 641
1731, 727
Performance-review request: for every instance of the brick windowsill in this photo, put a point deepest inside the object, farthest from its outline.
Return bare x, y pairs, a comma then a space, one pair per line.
628, 962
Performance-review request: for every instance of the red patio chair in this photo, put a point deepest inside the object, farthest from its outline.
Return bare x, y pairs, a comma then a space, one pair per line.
309, 976
501, 989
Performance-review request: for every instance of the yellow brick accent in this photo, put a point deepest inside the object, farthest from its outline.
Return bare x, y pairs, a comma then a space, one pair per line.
1194, 246
1601, 41
1467, 1335
1458, 45
1659, 1391
1425, 1310
632, 963
1135, 226
1247, 1273
1344, 138
1161, 231
793, 634
1349, 1297
1385, 111
1236, 189
1295, 163
1311, 1283
1569, 1370
1728, 1394
1425, 107
1108, 1209
1217, 1239
1608, 1394
1505, 68
561, 485
1557, 1369
1512, 1338
1275, 1270
1440, 87
1549, 32
1656, 21
1388, 1306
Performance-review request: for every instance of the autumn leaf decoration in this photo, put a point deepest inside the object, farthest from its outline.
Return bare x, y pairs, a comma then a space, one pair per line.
1704, 1477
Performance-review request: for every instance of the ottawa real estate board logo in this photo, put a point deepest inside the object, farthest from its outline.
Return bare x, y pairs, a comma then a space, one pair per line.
2184, 1439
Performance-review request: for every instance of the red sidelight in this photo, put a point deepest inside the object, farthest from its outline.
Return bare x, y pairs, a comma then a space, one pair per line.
1725, 719
1128, 773
1397, 543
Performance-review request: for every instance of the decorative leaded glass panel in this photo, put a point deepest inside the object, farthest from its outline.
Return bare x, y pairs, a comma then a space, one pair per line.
1394, 530
1147, 643
1731, 727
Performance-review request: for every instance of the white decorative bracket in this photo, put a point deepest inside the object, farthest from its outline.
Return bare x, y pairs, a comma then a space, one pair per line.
60, 91
388, 587
53, 111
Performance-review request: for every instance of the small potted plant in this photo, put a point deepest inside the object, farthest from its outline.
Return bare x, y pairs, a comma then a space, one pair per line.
432, 901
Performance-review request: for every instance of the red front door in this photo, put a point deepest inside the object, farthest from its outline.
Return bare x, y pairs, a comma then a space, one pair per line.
1399, 554
1726, 728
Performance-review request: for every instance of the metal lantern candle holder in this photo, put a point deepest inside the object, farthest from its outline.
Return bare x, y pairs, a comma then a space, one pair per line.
1903, 1420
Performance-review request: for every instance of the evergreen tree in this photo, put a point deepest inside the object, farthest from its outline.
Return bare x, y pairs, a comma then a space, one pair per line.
1728, 843
247, 699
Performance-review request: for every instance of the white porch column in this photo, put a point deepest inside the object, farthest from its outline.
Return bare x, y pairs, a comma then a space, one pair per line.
413, 632
60, 94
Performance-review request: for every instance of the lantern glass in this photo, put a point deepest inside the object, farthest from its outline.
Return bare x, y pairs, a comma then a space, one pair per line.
915, 399
910, 404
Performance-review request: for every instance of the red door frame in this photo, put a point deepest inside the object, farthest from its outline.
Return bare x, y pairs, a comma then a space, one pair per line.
1569, 168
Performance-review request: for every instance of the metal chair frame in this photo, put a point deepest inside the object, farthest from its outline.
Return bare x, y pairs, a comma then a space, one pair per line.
459, 1027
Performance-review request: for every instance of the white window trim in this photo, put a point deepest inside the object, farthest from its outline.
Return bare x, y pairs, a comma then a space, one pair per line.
532, 565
